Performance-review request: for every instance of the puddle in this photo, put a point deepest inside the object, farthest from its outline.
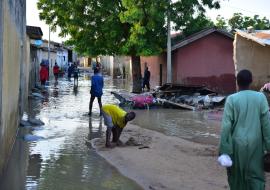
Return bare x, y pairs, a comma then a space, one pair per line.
193, 126
62, 160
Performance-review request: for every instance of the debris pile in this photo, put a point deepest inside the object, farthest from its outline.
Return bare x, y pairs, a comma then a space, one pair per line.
188, 97
179, 96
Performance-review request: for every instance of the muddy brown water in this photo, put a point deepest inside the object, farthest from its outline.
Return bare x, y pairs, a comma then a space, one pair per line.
63, 161
197, 126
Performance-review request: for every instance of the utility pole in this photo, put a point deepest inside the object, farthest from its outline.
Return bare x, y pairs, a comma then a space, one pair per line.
49, 44
169, 47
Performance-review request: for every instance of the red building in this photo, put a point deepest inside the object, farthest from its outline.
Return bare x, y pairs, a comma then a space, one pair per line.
205, 58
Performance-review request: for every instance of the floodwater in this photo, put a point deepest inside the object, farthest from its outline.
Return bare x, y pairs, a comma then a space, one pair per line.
197, 126
62, 160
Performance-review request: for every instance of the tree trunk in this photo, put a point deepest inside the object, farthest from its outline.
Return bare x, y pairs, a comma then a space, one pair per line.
136, 74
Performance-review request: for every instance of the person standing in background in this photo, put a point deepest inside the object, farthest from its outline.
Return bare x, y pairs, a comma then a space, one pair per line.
43, 74
97, 84
76, 75
146, 79
56, 71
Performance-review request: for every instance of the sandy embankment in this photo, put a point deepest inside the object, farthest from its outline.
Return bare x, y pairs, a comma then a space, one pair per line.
169, 163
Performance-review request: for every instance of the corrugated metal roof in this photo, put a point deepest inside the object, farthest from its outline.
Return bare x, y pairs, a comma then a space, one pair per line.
260, 36
34, 32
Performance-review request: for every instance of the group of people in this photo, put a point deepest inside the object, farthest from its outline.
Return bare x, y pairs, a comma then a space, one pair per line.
115, 118
245, 135
44, 72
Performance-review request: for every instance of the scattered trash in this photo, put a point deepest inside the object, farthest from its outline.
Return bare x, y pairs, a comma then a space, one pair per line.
143, 147
168, 103
188, 97
36, 122
140, 101
24, 123
132, 142
36, 95
36, 90
37, 128
29, 137
173, 96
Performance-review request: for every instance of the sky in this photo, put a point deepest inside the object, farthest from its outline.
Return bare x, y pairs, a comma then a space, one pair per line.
228, 7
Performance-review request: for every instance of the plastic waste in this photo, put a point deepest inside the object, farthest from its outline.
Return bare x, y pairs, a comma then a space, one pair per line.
225, 160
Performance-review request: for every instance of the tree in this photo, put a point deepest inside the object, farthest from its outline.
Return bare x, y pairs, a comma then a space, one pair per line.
197, 24
120, 27
238, 21
221, 23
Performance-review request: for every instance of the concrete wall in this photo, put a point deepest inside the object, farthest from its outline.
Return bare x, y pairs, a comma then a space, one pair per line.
62, 58
117, 66
85, 62
207, 61
122, 67
157, 67
34, 68
107, 64
254, 57
44, 55
12, 56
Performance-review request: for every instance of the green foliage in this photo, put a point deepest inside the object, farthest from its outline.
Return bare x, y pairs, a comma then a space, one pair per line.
221, 23
147, 31
197, 24
123, 27
238, 21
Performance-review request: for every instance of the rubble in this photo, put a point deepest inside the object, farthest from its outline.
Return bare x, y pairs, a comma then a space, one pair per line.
36, 122
30, 137
173, 96
36, 95
24, 123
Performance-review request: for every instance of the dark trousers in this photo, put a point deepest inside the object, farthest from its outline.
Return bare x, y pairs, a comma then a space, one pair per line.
92, 98
56, 76
76, 78
147, 84
43, 82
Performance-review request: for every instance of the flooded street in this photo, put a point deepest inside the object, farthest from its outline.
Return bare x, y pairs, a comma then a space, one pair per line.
190, 125
63, 159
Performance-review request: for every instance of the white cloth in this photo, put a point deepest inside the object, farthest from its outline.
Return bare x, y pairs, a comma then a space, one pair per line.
225, 160
266, 87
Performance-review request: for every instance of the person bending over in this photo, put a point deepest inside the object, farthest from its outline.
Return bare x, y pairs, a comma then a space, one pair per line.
115, 119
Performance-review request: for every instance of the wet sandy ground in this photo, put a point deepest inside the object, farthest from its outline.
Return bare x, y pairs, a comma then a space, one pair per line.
160, 162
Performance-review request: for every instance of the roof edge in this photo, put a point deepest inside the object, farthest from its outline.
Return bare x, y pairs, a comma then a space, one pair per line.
199, 35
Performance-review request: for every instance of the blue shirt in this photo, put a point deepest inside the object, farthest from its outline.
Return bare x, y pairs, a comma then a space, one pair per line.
97, 85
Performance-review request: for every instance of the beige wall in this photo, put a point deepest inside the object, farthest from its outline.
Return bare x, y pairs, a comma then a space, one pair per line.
85, 61
116, 65
154, 63
254, 57
12, 42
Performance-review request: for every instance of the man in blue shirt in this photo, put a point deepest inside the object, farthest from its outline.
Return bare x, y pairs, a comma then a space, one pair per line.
97, 84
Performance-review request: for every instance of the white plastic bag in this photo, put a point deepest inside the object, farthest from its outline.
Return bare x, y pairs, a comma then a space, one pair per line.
225, 160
